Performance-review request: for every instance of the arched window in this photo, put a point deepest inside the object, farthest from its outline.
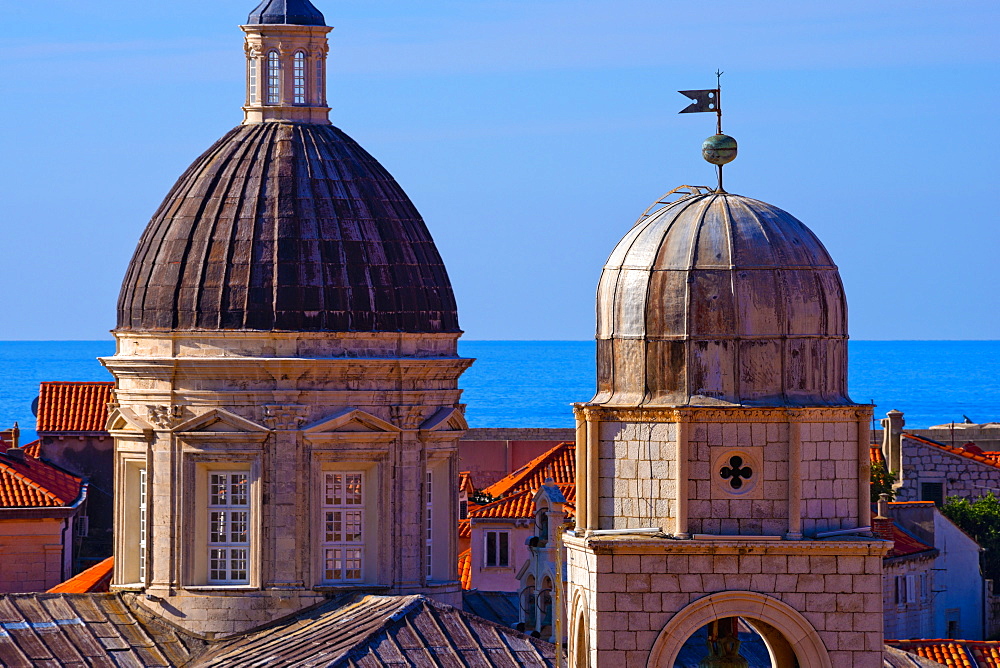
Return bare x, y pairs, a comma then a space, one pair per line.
273, 78
252, 80
299, 78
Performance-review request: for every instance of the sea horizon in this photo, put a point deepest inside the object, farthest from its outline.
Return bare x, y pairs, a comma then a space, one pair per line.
532, 383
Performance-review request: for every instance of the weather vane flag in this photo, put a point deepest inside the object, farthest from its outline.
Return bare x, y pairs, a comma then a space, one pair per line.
719, 149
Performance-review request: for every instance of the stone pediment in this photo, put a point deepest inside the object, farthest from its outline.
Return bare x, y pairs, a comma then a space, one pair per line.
124, 418
445, 420
352, 421
219, 420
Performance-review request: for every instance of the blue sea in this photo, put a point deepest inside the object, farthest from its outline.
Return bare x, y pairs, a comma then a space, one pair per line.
533, 383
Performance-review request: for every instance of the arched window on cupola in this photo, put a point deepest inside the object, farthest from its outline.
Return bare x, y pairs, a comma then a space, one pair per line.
320, 81
273, 95
299, 77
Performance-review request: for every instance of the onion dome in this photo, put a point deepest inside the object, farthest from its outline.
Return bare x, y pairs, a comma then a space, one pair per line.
290, 227
288, 12
718, 299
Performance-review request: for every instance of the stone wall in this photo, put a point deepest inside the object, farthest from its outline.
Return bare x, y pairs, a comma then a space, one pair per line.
909, 619
638, 469
629, 589
31, 555
960, 476
829, 476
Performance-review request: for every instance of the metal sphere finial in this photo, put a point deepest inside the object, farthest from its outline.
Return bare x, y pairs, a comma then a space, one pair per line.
719, 149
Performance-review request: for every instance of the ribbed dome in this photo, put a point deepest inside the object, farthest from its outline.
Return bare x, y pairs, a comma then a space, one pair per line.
289, 12
721, 299
292, 227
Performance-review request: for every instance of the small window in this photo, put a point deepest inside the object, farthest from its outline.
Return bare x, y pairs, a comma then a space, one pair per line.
228, 527
429, 512
497, 549
273, 78
463, 510
252, 80
299, 78
932, 491
343, 526
319, 81
143, 511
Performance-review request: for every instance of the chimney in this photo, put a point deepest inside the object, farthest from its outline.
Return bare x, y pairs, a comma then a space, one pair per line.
15, 454
882, 523
15, 436
892, 430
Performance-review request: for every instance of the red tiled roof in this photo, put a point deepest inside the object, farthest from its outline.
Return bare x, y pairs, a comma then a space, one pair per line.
518, 506
464, 529
465, 482
905, 545
73, 406
875, 454
33, 449
963, 653
465, 568
559, 463
33, 483
94, 580
961, 452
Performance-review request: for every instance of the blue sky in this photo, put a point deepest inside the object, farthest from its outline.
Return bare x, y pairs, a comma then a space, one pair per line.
530, 134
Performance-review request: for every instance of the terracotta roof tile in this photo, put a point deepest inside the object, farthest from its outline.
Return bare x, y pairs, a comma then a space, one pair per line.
559, 463
73, 406
961, 452
33, 449
518, 506
464, 529
32, 483
961, 653
905, 545
96, 579
465, 568
875, 454
465, 483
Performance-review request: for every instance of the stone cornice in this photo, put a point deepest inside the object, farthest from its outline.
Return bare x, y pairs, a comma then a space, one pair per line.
715, 414
736, 545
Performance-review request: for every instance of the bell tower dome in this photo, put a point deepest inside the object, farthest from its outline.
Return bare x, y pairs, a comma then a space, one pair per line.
287, 406
722, 469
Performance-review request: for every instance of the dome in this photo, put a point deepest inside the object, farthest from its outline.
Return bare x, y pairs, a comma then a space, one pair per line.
287, 227
288, 12
719, 299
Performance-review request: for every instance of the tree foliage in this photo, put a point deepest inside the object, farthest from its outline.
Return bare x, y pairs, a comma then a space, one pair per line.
981, 520
882, 481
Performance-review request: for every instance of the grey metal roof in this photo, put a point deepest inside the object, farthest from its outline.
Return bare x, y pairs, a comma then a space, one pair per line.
287, 226
496, 606
377, 631
84, 630
289, 12
719, 299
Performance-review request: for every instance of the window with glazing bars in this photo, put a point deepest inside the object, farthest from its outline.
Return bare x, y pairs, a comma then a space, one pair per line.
497, 549
343, 526
429, 510
228, 527
299, 78
252, 80
273, 78
143, 504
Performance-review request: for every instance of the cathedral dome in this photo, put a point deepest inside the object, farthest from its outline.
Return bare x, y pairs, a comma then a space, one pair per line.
287, 227
718, 299
288, 12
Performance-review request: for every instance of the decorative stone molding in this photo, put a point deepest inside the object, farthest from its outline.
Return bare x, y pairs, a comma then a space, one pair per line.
727, 545
285, 417
408, 418
738, 414
163, 417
